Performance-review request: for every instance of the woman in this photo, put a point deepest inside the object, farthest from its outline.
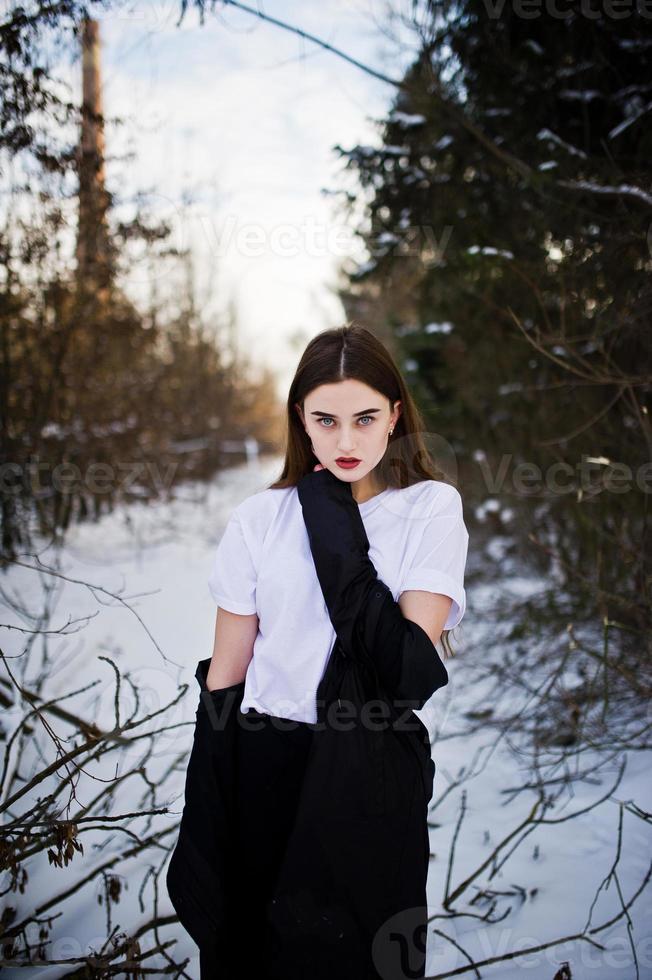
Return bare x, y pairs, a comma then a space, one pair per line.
303, 849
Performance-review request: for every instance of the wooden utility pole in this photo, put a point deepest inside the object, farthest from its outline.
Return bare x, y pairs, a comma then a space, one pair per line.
93, 247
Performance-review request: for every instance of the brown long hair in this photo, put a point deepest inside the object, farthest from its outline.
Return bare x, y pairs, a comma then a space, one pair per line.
352, 351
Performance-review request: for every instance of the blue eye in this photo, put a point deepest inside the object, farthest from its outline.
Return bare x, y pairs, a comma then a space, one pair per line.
324, 417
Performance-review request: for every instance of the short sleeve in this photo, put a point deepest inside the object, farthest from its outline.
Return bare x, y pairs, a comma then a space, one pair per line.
440, 558
232, 581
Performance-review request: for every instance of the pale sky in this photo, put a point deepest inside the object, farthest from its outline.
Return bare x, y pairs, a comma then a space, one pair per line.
239, 117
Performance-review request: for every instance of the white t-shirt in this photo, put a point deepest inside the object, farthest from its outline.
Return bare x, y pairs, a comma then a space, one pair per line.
263, 565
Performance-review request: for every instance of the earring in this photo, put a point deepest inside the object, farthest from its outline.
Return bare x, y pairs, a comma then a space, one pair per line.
390, 431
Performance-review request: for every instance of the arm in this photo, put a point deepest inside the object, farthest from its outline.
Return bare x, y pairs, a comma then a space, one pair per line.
361, 607
232, 583
233, 648
428, 609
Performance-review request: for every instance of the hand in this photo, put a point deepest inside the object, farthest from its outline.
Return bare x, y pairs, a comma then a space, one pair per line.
317, 467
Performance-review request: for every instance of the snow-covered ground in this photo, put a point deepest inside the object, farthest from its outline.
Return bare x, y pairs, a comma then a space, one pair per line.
157, 560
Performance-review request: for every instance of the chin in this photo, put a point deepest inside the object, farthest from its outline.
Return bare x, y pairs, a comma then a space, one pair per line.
349, 476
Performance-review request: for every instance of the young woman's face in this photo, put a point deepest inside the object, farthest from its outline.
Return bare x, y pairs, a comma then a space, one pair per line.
349, 419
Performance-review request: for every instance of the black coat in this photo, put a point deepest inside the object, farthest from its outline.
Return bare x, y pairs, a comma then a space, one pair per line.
350, 900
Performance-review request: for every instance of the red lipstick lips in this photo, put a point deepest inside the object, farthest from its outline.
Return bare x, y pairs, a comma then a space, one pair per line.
347, 464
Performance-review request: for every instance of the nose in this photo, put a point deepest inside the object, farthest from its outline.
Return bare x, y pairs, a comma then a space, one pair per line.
346, 446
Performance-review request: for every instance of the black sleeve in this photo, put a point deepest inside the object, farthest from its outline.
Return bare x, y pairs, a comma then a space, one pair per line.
362, 609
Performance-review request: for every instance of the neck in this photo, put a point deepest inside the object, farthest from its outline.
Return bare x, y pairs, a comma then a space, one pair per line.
366, 488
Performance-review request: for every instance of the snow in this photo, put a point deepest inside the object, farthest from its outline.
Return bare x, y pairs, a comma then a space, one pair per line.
533, 45
575, 68
601, 460
444, 327
634, 44
547, 134
406, 119
158, 559
489, 250
392, 150
554, 874
387, 238
364, 268
634, 113
577, 95
443, 142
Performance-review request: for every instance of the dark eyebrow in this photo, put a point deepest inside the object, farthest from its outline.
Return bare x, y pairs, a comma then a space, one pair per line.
367, 411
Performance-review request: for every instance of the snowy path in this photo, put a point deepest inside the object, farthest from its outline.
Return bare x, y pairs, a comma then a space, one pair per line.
159, 559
